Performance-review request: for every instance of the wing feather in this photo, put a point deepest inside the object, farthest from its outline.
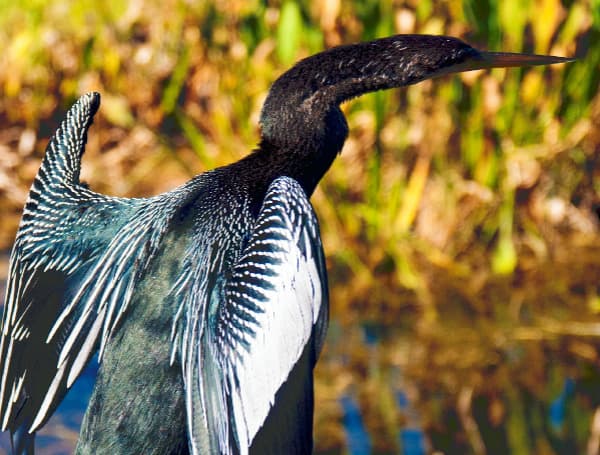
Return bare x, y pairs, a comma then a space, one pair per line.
72, 274
260, 318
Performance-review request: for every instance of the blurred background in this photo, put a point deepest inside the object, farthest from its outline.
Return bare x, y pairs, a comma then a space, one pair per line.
460, 223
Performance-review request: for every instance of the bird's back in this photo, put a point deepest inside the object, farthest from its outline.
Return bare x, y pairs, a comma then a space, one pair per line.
130, 407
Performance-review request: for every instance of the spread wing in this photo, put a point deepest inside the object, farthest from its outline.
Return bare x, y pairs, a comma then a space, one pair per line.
72, 271
259, 319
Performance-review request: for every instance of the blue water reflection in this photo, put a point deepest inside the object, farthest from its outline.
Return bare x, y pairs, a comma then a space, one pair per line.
59, 435
357, 437
412, 439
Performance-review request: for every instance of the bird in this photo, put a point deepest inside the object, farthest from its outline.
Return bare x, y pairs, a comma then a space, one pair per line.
207, 305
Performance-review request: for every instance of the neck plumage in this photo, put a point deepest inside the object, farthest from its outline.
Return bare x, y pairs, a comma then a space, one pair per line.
302, 126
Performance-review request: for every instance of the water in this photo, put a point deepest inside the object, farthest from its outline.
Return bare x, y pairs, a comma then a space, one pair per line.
375, 396
59, 435
360, 416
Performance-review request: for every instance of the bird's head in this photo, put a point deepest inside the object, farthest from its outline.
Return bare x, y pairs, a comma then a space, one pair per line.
301, 113
304, 95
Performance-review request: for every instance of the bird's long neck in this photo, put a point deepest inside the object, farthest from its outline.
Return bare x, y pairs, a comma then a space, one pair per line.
303, 128
301, 121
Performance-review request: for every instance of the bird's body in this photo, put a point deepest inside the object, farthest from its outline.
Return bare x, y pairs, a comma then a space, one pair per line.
207, 240
208, 303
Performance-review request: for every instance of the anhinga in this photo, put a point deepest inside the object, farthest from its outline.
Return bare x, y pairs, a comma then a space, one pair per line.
208, 304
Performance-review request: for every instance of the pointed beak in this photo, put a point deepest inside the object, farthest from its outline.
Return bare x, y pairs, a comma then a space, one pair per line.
507, 59
485, 60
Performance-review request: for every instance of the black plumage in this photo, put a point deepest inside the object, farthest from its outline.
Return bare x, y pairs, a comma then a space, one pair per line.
209, 303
